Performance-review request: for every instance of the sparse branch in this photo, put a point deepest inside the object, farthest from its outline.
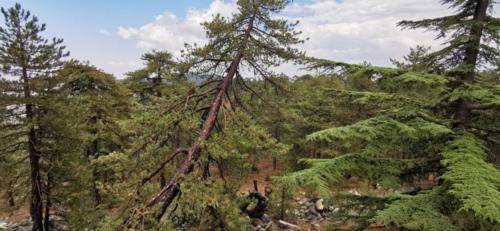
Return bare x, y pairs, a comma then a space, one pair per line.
162, 165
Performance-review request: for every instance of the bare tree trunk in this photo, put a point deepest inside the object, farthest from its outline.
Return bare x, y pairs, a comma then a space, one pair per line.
462, 106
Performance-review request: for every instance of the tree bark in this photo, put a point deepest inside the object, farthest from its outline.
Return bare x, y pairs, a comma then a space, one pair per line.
10, 195
171, 190
92, 153
462, 106
36, 203
48, 202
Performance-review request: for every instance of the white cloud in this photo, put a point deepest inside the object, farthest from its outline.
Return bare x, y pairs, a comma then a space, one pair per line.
167, 31
347, 30
104, 32
360, 30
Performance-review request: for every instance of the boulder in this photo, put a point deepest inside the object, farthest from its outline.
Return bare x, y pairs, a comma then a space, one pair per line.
312, 211
315, 227
3, 225
319, 205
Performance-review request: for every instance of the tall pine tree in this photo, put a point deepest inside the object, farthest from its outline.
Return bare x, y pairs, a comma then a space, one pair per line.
251, 41
28, 60
472, 43
424, 124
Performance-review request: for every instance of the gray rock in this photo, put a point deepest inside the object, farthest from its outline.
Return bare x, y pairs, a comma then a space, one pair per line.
312, 210
315, 227
256, 222
24, 225
268, 225
319, 205
57, 223
353, 213
3, 225
354, 191
296, 212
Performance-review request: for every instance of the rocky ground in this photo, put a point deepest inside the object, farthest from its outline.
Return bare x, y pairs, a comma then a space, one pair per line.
57, 223
309, 213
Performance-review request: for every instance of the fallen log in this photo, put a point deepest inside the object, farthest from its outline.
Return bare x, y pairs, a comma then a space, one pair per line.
286, 225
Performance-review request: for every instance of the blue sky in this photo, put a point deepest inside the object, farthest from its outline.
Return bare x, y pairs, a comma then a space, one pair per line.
78, 22
112, 34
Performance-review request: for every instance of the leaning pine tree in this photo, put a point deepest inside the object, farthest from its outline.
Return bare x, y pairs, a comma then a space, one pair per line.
28, 61
251, 41
425, 124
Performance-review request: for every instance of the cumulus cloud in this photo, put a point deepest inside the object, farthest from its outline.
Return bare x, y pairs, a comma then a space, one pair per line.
360, 30
344, 30
168, 31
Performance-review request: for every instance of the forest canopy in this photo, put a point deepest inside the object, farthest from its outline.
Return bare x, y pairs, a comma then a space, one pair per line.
217, 139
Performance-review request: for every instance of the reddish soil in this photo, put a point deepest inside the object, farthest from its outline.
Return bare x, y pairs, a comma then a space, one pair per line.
265, 171
16, 216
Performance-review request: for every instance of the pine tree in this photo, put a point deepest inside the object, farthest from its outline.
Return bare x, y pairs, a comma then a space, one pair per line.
418, 60
471, 34
425, 123
101, 104
252, 40
412, 133
28, 60
160, 68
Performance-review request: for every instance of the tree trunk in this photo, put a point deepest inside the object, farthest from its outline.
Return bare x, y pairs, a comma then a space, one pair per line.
171, 190
48, 202
462, 106
36, 203
163, 181
156, 83
92, 153
277, 136
10, 195
96, 195
283, 201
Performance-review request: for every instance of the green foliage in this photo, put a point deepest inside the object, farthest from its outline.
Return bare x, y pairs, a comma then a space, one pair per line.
420, 212
471, 186
206, 198
382, 130
321, 173
481, 94
473, 181
386, 126
408, 118
243, 144
417, 60
461, 30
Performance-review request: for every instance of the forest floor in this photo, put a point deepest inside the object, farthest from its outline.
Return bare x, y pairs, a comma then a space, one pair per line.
265, 170
263, 175
14, 215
